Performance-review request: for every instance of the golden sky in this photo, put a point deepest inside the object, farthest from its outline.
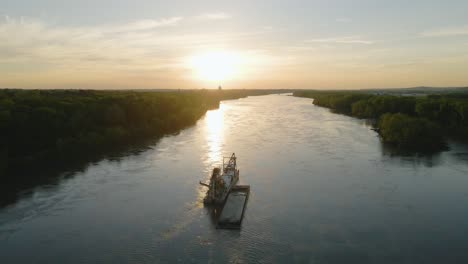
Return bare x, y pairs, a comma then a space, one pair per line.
236, 44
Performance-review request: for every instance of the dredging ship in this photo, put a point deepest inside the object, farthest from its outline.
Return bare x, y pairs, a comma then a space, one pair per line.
222, 181
224, 193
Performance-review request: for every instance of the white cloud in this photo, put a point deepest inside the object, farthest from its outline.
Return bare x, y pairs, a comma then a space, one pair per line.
147, 24
214, 16
446, 32
342, 40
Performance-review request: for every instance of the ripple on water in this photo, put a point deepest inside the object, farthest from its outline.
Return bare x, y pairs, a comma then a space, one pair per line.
323, 191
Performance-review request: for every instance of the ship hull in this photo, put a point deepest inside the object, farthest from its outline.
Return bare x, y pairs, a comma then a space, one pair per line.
221, 182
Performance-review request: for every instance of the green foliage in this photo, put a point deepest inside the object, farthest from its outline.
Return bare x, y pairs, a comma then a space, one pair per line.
406, 121
410, 132
69, 123
340, 103
361, 104
449, 112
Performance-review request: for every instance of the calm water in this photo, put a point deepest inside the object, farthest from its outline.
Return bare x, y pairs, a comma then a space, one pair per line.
324, 190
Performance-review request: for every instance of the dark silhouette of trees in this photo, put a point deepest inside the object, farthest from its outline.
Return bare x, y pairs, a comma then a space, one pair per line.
410, 132
39, 125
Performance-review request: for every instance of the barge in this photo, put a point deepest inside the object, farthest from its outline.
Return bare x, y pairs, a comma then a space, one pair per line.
233, 211
226, 196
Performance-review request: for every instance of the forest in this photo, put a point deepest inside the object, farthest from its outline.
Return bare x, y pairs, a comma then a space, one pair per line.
55, 126
408, 122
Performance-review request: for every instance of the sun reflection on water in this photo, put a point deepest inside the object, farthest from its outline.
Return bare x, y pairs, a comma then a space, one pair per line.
214, 136
214, 122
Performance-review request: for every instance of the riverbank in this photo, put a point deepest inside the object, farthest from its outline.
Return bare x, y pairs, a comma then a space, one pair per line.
342, 188
421, 123
50, 127
44, 133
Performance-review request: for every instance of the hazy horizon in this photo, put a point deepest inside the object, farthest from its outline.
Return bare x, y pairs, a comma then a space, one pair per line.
223, 88
251, 45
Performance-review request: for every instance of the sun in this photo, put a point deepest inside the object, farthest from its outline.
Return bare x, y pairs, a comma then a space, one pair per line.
216, 66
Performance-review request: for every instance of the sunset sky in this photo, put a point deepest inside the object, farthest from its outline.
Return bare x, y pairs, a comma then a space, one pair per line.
113, 44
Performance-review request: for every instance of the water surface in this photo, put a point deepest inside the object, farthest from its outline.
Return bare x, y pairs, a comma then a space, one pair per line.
324, 190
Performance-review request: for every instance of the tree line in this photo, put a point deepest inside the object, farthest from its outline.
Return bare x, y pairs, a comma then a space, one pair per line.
46, 125
420, 123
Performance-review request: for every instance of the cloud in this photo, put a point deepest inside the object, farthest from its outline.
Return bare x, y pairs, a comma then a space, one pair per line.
300, 48
34, 51
446, 32
342, 40
214, 16
33, 42
147, 24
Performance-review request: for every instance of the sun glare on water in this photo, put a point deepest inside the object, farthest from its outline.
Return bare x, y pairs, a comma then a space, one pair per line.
216, 66
215, 132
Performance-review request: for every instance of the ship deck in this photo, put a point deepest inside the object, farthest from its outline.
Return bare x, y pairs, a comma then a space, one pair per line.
233, 211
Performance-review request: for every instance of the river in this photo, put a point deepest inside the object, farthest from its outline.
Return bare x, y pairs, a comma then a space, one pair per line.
323, 190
